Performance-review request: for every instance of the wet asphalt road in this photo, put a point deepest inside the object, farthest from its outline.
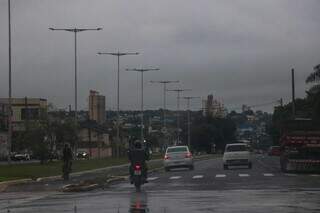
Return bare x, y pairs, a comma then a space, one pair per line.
208, 188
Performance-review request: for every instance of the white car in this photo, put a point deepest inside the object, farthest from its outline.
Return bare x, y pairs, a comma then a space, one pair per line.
237, 154
178, 156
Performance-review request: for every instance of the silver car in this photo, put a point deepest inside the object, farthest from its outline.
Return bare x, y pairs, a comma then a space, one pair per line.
178, 156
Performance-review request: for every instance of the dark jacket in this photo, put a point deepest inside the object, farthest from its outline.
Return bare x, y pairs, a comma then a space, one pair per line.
138, 156
67, 154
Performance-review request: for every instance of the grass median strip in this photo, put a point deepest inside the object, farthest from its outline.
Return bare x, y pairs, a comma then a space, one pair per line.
36, 170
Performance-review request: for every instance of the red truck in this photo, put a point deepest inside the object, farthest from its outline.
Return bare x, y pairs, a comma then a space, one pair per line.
300, 146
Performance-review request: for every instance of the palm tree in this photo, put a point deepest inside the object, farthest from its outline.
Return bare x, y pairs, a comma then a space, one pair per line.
314, 91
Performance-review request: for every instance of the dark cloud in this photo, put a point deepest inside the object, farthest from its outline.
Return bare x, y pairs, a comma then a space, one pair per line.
242, 51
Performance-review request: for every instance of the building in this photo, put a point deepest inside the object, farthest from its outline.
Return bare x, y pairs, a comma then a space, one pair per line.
94, 139
23, 110
97, 107
213, 108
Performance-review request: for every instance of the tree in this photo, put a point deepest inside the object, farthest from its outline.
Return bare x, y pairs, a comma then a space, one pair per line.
44, 136
313, 94
207, 131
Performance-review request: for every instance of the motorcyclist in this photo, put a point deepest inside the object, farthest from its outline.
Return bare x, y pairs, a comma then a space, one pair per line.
67, 161
138, 154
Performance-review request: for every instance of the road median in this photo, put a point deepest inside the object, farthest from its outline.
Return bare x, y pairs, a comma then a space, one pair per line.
100, 176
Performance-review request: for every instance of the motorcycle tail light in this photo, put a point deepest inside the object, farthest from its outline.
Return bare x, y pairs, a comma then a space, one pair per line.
137, 167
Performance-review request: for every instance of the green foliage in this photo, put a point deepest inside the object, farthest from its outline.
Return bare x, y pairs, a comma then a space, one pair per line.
308, 107
206, 131
42, 137
313, 94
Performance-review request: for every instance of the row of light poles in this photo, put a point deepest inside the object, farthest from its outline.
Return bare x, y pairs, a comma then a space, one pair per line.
188, 98
75, 31
142, 71
164, 98
118, 54
178, 91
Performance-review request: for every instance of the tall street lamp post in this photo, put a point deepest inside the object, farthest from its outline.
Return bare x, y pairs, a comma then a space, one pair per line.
178, 91
164, 98
142, 71
118, 54
188, 98
9, 140
75, 31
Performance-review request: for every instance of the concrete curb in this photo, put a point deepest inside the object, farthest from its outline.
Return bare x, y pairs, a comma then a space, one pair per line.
4, 185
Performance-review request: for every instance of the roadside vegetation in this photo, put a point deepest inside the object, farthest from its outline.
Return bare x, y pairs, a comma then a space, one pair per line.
308, 107
36, 170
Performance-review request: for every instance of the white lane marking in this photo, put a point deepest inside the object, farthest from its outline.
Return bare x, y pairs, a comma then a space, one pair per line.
197, 177
152, 178
244, 175
221, 176
291, 175
314, 175
175, 177
268, 174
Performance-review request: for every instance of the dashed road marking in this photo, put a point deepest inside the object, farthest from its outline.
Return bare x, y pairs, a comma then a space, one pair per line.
152, 178
291, 175
197, 177
314, 175
268, 174
175, 177
221, 176
244, 175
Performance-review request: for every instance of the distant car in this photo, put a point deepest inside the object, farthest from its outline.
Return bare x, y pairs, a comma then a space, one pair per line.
274, 151
236, 154
259, 151
177, 157
20, 157
82, 155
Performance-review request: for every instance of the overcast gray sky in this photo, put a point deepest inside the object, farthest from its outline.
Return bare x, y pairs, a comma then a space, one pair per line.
241, 51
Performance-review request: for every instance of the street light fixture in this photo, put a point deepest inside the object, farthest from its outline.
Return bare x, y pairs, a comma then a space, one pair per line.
142, 71
75, 31
178, 91
118, 54
164, 97
188, 98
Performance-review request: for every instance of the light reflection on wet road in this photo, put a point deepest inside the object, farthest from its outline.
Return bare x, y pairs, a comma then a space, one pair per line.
178, 202
262, 189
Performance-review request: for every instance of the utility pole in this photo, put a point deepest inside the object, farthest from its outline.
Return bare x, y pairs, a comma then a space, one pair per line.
9, 141
164, 98
142, 71
188, 98
118, 54
293, 95
178, 91
75, 31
